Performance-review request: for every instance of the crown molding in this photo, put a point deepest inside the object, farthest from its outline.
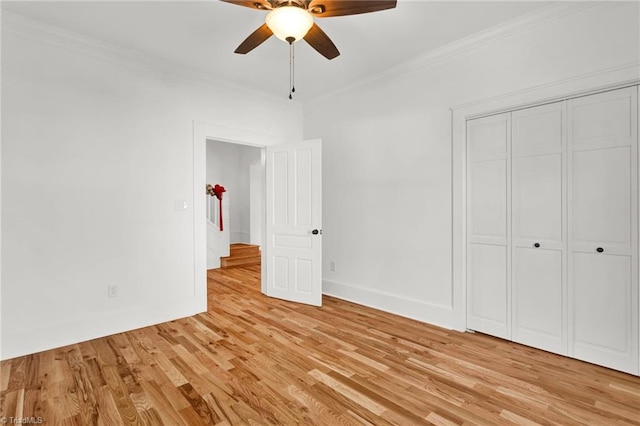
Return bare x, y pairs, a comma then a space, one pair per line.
602, 80
544, 15
53, 35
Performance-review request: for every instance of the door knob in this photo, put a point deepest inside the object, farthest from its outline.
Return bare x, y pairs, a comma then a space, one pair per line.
536, 245
599, 249
316, 232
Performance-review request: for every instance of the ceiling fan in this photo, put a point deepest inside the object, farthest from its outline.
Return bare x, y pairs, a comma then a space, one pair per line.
292, 20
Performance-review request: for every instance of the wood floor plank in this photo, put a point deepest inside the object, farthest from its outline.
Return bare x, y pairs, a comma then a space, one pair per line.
253, 360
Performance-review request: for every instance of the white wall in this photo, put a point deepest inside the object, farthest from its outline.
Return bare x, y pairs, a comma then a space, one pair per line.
248, 156
387, 159
96, 151
256, 201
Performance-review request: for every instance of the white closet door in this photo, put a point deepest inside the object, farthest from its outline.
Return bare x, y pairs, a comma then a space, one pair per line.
488, 224
603, 238
539, 237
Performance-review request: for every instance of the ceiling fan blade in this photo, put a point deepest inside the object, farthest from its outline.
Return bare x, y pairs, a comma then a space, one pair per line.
253, 4
328, 8
321, 42
254, 40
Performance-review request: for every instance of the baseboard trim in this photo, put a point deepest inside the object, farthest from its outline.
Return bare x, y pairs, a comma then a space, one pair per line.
439, 315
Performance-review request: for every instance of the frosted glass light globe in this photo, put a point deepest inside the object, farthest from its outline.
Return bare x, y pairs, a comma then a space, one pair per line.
289, 21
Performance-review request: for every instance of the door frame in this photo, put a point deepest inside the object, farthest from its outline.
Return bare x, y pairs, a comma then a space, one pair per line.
566, 89
201, 133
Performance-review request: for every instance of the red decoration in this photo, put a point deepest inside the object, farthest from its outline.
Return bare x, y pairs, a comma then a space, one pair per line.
217, 191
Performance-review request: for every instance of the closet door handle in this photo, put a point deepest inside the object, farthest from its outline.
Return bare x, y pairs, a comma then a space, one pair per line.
599, 249
536, 245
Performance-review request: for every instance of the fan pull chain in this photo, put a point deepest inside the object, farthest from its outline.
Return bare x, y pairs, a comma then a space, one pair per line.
292, 68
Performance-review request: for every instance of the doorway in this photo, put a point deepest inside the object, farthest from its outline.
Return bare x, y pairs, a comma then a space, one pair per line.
292, 219
239, 169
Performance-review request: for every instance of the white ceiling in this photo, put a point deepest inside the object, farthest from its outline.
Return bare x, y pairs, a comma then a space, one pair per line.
202, 36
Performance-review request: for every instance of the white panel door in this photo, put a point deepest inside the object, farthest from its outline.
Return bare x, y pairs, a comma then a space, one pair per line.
603, 240
488, 224
538, 231
293, 247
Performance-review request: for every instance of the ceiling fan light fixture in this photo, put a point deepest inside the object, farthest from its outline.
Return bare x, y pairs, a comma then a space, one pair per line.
288, 22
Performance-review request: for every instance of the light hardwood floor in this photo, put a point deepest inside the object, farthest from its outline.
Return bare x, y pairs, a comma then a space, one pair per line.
255, 360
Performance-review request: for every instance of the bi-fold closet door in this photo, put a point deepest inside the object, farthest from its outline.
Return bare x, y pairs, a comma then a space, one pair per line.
489, 225
539, 242
603, 229
552, 227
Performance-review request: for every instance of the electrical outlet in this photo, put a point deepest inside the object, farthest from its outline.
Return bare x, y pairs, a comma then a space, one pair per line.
112, 290
332, 266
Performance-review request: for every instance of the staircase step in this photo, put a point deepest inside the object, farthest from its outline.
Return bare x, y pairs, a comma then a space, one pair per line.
226, 262
239, 249
241, 255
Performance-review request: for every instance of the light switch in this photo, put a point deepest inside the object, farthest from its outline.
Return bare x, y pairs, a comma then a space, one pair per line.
181, 205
